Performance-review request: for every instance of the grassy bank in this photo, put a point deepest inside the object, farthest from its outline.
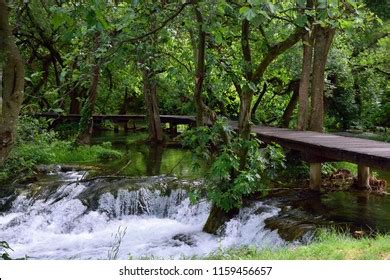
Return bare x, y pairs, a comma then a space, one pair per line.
38, 145
328, 246
26, 156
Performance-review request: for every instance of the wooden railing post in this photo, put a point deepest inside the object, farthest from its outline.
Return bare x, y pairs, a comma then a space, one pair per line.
363, 177
173, 128
315, 176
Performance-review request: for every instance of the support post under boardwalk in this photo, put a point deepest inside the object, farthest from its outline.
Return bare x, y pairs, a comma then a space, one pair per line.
315, 176
173, 128
363, 177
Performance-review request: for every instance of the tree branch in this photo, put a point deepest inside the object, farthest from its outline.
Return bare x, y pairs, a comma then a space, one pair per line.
376, 39
265, 37
275, 51
163, 24
188, 68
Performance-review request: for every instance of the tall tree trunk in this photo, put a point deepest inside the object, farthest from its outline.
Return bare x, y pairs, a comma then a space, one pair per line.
244, 124
125, 105
151, 102
303, 117
288, 112
86, 121
323, 41
150, 90
12, 84
200, 69
74, 107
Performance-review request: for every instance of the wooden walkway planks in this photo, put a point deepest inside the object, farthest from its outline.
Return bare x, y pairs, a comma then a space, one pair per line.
329, 146
315, 145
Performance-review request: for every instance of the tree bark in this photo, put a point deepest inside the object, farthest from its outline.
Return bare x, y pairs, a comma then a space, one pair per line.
86, 121
200, 69
150, 91
323, 41
258, 100
246, 95
12, 86
288, 112
74, 107
303, 117
151, 102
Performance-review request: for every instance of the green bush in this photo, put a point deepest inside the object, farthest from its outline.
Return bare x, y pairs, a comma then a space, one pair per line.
227, 181
32, 130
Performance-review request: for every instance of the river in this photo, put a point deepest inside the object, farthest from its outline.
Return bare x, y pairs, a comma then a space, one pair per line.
149, 214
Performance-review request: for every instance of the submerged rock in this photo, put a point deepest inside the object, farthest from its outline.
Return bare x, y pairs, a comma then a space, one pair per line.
293, 225
184, 238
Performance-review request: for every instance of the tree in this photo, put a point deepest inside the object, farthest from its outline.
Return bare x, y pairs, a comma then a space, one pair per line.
12, 86
86, 121
323, 37
200, 68
252, 76
321, 20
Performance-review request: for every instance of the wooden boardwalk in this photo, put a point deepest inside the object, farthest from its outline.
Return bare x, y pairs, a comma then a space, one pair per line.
329, 146
175, 119
315, 147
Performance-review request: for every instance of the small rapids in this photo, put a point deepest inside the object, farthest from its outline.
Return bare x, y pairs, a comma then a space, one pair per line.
147, 217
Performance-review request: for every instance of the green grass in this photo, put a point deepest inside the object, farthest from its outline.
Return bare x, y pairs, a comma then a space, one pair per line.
330, 167
26, 156
328, 246
82, 154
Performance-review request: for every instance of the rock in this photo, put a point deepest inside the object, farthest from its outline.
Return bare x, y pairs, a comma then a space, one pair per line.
217, 218
6, 202
359, 234
292, 224
184, 238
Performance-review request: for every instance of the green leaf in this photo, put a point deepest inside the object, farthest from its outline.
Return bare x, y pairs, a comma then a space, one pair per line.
322, 4
91, 18
243, 10
252, 86
271, 7
301, 20
301, 3
248, 13
255, 2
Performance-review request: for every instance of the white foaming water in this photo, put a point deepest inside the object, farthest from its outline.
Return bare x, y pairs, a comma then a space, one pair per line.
157, 225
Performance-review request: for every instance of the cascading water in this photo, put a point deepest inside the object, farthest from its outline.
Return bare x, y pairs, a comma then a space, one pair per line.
83, 220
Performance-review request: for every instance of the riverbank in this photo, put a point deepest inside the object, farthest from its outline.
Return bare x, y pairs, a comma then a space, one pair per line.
328, 246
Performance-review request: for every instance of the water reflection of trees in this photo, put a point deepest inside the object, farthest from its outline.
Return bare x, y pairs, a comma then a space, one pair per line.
153, 159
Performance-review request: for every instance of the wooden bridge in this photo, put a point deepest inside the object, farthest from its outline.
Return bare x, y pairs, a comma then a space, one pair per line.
315, 147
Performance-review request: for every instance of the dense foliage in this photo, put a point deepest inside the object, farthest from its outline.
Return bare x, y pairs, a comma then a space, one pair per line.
227, 185
62, 40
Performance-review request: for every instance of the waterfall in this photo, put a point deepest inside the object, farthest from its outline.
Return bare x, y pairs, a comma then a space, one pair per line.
154, 212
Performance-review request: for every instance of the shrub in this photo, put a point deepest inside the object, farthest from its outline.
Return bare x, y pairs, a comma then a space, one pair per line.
227, 182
